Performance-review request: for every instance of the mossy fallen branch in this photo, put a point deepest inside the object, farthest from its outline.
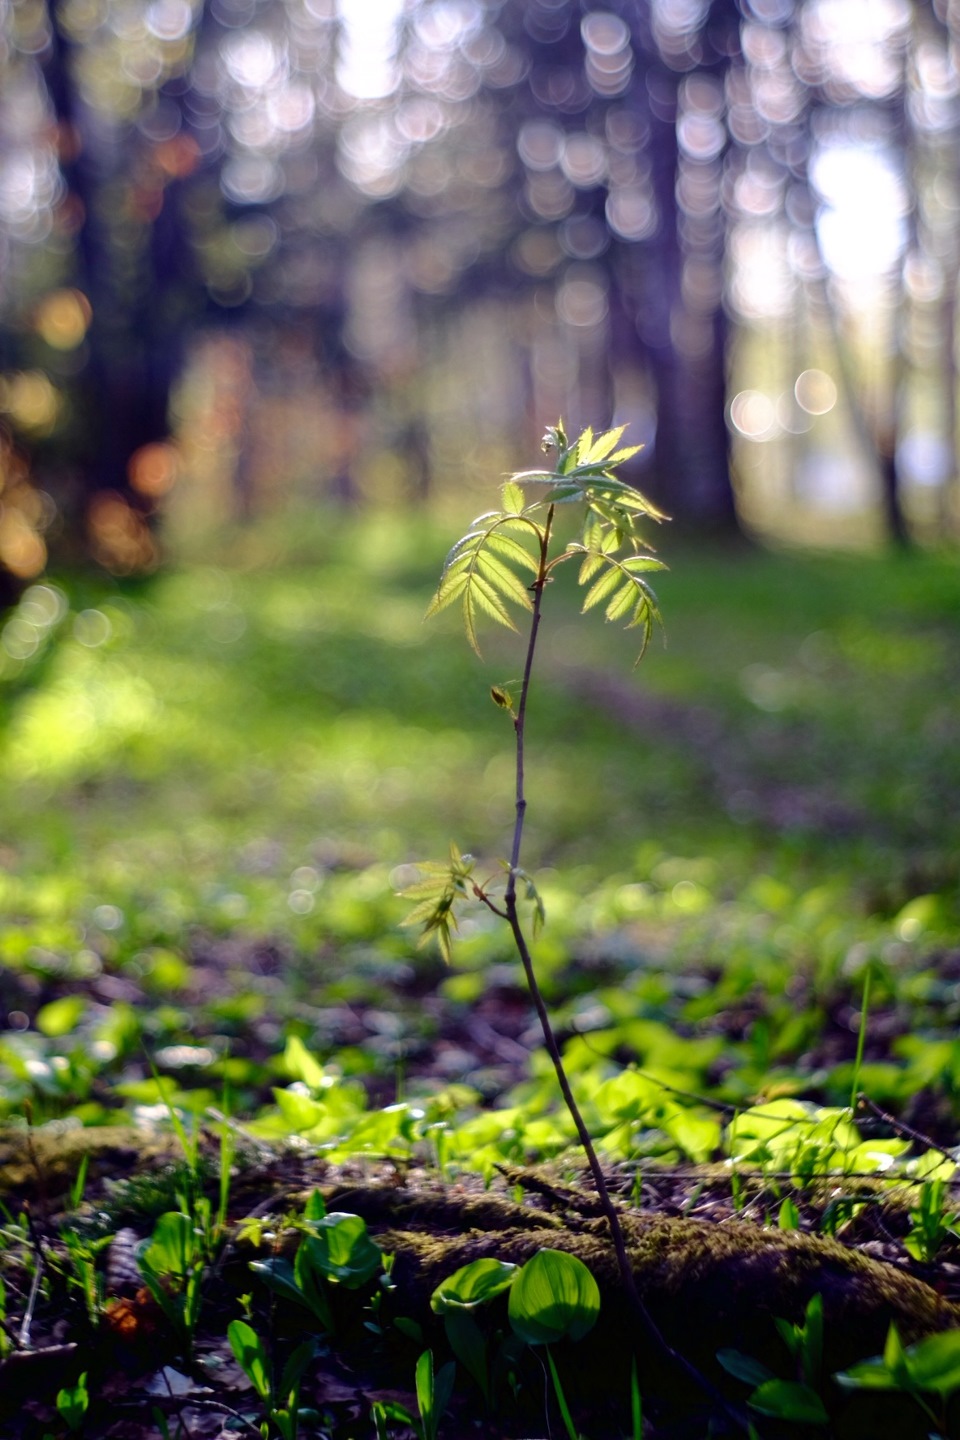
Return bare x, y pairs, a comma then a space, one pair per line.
704, 1283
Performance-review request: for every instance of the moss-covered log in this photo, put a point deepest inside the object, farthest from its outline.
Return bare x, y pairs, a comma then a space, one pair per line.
705, 1285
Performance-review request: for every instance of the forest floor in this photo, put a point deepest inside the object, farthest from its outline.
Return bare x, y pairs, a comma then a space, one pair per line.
214, 785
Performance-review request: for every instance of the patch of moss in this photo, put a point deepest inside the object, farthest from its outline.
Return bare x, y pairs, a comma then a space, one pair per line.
705, 1285
44, 1161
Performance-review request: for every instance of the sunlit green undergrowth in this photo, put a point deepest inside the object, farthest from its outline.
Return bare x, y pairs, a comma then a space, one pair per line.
213, 785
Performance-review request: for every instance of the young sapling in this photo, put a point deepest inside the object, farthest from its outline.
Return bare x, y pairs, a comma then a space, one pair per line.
505, 560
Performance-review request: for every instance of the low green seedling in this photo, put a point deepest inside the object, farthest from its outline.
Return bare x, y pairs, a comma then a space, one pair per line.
383, 1411
553, 1298
433, 1397
163, 1427
930, 1222
171, 1263
184, 1241
806, 1140
929, 1371
433, 1394
459, 1299
73, 1402
805, 1342
798, 1398
788, 1216
636, 1403
335, 1250
86, 1276
281, 1402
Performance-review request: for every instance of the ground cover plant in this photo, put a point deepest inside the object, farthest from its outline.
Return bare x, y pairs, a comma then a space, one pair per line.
213, 786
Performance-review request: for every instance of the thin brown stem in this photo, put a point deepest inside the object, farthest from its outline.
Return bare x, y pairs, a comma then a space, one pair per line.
510, 902
549, 1037
520, 719
484, 899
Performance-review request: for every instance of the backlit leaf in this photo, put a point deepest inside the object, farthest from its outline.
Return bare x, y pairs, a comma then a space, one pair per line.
504, 579
472, 1285
623, 601
602, 447
601, 588
482, 594
591, 564
249, 1355
625, 454
789, 1400
518, 553
553, 1298
513, 497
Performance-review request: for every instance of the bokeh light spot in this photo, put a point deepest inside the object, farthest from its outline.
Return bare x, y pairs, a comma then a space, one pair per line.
754, 415
816, 392
153, 469
92, 628
62, 319
31, 401
582, 302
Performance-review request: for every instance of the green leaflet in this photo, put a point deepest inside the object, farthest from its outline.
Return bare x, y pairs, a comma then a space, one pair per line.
437, 892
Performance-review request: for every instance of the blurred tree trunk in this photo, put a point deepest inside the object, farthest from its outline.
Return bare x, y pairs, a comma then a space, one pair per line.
950, 484
682, 324
876, 420
133, 260
938, 26
674, 332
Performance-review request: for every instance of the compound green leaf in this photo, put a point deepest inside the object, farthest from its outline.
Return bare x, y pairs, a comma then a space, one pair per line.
513, 498
627, 453
602, 447
592, 562
483, 595
583, 446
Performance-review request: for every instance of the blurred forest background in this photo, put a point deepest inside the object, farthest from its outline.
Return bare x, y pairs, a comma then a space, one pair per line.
259, 253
